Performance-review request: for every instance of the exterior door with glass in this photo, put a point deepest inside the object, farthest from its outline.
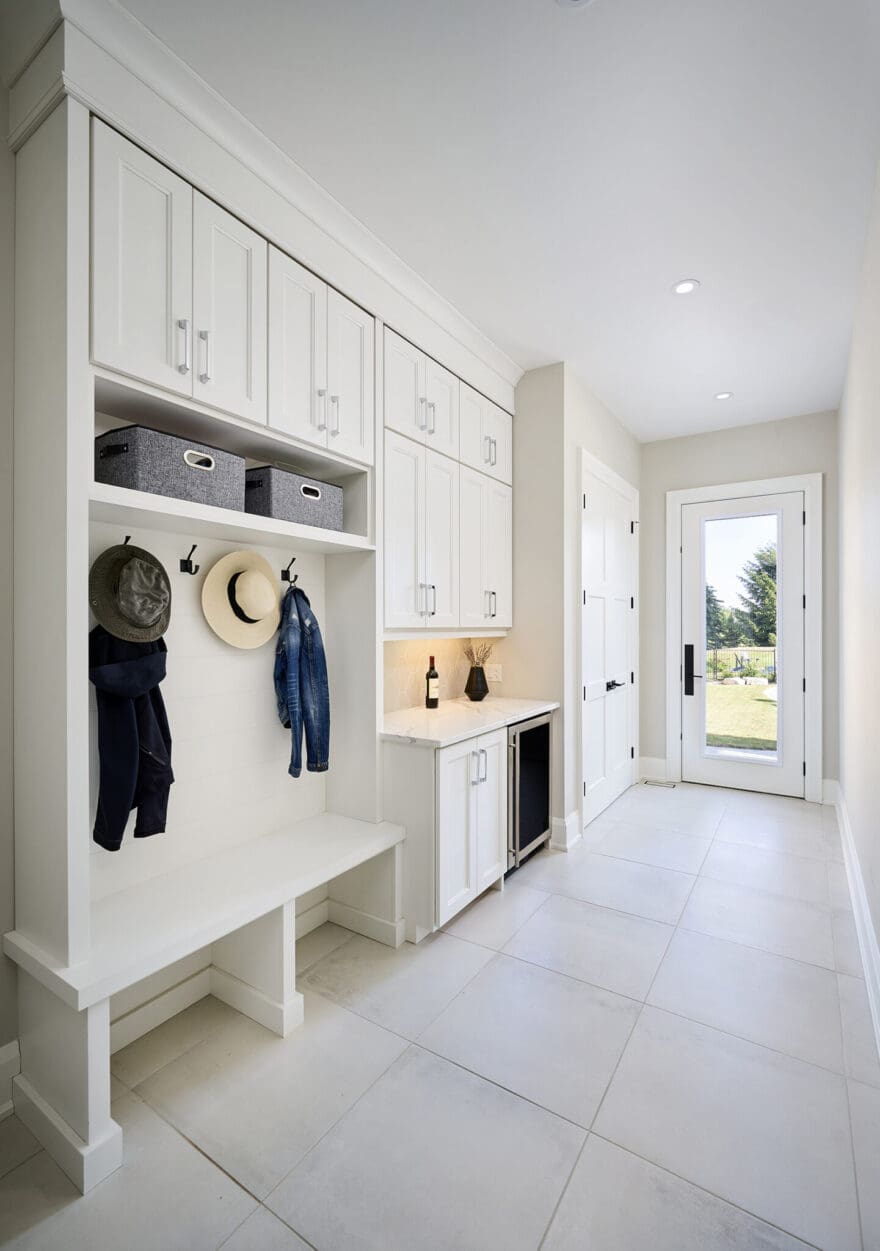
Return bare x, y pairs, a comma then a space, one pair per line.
742, 662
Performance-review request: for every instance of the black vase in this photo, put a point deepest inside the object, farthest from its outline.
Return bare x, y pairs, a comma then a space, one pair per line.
476, 687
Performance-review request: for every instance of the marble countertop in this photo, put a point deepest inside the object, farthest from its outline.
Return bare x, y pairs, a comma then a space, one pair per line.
458, 719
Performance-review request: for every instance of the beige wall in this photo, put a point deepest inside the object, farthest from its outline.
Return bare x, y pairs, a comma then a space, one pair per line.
860, 574
773, 449
8, 1028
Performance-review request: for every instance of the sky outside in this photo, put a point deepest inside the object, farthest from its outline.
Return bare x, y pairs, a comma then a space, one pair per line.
730, 542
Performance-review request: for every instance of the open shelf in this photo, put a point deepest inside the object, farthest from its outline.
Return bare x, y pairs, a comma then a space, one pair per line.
144, 928
160, 512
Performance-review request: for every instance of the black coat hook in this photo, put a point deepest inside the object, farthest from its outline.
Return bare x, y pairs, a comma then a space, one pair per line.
186, 564
285, 573
126, 540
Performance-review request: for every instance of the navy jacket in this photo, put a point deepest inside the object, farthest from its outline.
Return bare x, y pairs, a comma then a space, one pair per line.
134, 743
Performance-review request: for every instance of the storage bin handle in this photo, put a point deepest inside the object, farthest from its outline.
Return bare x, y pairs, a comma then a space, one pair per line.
112, 449
198, 460
309, 491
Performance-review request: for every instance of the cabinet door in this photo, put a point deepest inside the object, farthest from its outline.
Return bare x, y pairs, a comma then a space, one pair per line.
350, 377
230, 264
491, 840
441, 539
499, 553
455, 826
297, 350
441, 392
498, 432
473, 439
405, 592
405, 398
474, 605
141, 264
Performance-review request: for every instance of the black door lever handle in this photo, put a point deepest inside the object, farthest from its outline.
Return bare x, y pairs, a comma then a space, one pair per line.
612, 686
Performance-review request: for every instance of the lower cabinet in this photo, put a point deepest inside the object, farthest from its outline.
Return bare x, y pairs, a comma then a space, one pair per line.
471, 820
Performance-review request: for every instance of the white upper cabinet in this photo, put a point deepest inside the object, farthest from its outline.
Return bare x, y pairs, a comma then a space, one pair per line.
229, 312
405, 590
405, 399
350, 367
421, 397
298, 401
141, 264
441, 539
486, 552
486, 435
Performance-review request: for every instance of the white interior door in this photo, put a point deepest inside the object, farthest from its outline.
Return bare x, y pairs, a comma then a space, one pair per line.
230, 276
742, 663
609, 637
350, 370
297, 350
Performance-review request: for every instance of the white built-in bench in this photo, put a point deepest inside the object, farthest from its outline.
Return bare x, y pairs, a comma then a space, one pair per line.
241, 903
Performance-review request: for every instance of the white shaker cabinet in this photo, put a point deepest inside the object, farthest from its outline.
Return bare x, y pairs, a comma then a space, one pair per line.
350, 370
142, 236
471, 820
486, 552
229, 312
486, 435
421, 536
421, 397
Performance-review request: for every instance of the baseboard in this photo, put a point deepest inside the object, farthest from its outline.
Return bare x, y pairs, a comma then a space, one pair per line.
565, 832
652, 768
830, 791
391, 933
279, 1017
868, 944
10, 1067
85, 1163
312, 918
155, 1011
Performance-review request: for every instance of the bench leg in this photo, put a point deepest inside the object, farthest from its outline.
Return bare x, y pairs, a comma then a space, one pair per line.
63, 1091
369, 899
253, 969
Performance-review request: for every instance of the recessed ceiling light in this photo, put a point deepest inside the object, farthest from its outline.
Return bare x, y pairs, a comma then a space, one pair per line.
724, 395
687, 286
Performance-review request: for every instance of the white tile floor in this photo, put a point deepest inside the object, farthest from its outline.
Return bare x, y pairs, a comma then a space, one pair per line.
661, 1040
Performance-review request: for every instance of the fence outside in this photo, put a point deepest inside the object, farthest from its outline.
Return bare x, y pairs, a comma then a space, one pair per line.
722, 662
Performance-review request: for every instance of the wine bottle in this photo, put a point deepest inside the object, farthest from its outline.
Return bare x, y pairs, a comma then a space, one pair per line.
432, 686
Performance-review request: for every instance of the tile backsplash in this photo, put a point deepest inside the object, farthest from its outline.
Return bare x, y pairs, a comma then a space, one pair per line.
407, 662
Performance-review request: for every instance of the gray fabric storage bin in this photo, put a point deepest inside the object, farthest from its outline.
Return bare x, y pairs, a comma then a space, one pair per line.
163, 464
272, 492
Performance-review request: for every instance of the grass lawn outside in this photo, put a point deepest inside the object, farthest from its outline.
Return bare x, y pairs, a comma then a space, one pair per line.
740, 716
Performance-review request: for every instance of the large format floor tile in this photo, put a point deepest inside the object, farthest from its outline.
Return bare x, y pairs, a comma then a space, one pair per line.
401, 990
317, 944
741, 914
17, 1144
616, 1201
610, 949
864, 1102
432, 1157
847, 956
769, 999
262, 1231
790, 835
794, 877
166, 1194
664, 849
256, 1103
859, 1042
640, 889
759, 1129
550, 1038
495, 917
146, 1055
662, 810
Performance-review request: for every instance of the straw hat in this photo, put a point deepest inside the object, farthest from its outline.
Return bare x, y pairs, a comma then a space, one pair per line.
240, 599
130, 594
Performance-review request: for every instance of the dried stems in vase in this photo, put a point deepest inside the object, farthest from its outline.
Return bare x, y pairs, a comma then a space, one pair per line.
478, 653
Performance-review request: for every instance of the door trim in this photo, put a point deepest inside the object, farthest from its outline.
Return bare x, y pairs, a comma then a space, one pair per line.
811, 485
590, 464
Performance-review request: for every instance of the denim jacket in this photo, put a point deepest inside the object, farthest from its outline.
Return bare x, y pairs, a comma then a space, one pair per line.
301, 684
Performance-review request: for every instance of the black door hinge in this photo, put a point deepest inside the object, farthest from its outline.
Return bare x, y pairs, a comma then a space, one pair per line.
805, 684
585, 597
632, 679
632, 602
632, 527
585, 790
805, 516
632, 753
585, 693
585, 499
805, 768
805, 603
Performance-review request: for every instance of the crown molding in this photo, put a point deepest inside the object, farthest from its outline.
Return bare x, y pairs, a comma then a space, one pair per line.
93, 26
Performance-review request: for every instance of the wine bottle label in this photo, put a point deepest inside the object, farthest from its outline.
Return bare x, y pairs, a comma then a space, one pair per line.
433, 688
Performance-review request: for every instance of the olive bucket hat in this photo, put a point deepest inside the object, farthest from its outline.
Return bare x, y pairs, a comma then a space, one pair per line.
130, 594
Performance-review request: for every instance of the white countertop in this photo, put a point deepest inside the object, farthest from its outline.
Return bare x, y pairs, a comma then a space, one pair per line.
458, 719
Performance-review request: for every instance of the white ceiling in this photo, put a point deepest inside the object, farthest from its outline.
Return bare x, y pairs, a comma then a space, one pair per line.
552, 172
